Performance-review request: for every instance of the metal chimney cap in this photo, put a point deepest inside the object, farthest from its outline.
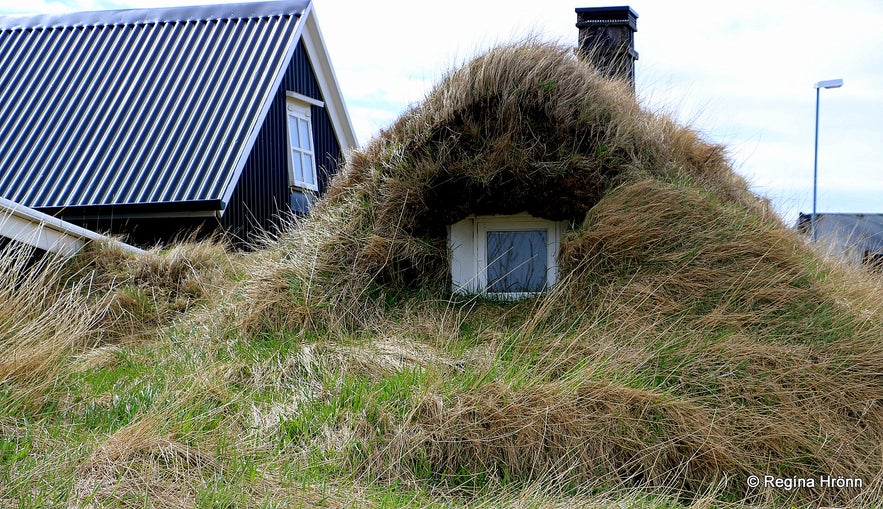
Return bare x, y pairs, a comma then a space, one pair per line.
607, 15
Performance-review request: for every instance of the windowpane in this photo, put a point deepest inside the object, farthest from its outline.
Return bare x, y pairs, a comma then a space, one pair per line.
293, 138
304, 132
517, 261
309, 176
298, 166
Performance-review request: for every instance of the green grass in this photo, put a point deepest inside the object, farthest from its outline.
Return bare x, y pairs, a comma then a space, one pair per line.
338, 406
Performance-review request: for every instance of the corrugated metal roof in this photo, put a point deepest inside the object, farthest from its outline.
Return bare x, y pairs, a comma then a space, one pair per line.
137, 106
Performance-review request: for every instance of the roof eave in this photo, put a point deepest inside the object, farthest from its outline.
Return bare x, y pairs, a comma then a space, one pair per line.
42, 231
193, 208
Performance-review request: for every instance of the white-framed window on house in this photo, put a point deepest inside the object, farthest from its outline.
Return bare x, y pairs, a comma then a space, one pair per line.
505, 256
301, 153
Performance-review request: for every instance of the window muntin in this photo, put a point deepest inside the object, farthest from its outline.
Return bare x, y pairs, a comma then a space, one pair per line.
301, 154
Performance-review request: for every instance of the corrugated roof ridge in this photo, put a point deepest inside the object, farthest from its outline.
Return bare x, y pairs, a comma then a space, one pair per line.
154, 15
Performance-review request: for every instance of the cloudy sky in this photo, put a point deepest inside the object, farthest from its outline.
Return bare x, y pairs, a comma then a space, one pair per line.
742, 74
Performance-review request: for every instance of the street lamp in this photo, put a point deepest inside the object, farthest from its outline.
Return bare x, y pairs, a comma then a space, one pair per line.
815, 168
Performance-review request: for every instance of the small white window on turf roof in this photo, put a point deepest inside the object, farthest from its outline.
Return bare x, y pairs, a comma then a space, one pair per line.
508, 257
301, 156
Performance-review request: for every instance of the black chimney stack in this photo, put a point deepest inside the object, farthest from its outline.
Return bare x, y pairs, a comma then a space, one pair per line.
607, 36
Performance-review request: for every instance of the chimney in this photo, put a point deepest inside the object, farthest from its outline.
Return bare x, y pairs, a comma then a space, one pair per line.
607, 36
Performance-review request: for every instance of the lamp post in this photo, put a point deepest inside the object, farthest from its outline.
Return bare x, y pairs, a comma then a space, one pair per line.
815, 168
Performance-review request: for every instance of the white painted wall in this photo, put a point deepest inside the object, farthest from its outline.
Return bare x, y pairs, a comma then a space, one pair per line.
461, 245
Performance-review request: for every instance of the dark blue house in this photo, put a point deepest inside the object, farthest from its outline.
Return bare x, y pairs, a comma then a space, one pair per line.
154, 122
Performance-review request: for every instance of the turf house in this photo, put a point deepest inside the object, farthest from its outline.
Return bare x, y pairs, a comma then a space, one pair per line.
676, 290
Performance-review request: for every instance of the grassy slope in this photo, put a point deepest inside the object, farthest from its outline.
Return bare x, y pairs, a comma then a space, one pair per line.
186, 411
691, 341
442, 403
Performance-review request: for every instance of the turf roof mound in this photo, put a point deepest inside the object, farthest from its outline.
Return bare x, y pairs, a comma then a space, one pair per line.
522, 128
525, 127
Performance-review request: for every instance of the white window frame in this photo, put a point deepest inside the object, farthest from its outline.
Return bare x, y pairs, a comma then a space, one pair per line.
300, 110
467, 242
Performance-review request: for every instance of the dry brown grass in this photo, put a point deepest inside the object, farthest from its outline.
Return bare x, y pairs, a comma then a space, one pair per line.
54, 311
541, 433
151, 289
670, 250
691, 341
41, 322
138, 465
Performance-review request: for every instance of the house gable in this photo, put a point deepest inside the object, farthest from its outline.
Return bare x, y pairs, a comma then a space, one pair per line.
263, 190
137, 115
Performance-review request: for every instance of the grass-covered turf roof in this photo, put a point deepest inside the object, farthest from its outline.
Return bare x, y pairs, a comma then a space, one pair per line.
524, 128
691, 338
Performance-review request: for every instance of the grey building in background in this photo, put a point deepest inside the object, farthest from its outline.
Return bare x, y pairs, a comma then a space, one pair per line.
856, 238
